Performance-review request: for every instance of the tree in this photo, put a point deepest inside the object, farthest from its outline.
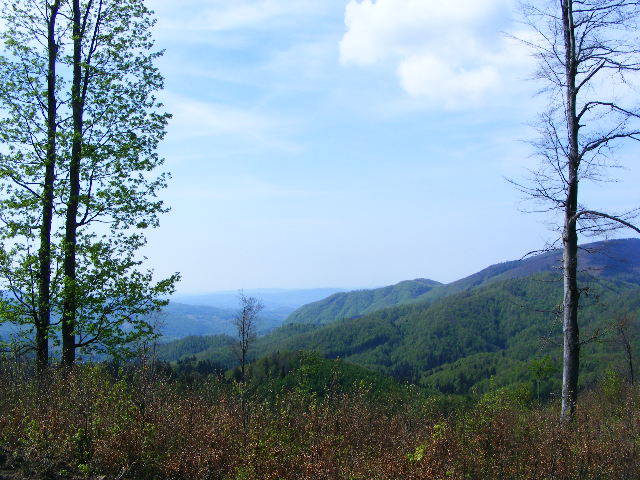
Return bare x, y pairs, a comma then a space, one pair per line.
245, 323
110, 123
624, 330
541, 369
117, 124
29, 130
587, 52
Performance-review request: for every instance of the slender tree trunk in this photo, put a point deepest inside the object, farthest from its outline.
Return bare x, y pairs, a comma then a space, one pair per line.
571, 358
627, 348
70, 304
44, 254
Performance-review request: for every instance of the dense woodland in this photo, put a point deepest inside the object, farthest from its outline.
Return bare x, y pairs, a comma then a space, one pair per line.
524, 370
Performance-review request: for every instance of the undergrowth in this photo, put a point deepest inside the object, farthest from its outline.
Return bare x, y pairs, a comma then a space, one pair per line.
92, 422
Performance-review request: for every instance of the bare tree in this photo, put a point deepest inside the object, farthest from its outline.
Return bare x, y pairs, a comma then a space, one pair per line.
589, 55
245, 323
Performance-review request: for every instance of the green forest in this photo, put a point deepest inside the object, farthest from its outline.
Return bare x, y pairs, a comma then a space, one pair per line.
475, 334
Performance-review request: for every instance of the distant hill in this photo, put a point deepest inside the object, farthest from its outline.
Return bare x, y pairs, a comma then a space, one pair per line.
212, 314
179, 320
350, 304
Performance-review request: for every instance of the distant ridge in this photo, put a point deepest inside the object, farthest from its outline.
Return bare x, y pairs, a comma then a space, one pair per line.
612, 259
351, 304
273, 298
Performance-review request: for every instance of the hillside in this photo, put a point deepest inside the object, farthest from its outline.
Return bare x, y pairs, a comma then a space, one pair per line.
613, 259
491, 324
178, 320
311, 373
206, 346
350, 304
458, 342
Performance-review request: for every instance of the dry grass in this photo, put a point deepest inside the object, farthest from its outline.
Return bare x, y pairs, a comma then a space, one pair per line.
89, 423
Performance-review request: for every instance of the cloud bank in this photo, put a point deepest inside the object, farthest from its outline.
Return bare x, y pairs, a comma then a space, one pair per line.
450, 54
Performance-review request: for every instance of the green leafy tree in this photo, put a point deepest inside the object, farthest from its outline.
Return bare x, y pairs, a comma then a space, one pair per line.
118, 123
541, 369
103, 192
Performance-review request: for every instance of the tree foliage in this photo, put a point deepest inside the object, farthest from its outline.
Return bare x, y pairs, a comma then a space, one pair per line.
109, 125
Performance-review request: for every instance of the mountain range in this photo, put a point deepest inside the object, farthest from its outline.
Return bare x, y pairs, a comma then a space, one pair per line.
488, 328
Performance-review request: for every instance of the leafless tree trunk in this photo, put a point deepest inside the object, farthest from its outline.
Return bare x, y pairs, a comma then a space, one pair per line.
624, 334
571, 358
581, 46
245, 323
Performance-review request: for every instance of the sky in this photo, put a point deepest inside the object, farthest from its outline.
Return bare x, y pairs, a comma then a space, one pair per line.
346, 143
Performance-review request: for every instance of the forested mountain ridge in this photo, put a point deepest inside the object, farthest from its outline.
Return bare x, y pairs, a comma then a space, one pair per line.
350, 304
613, 259
617, 260
458, 342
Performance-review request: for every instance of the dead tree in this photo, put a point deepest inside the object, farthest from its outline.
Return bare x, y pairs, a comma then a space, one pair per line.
245, 323
587, 52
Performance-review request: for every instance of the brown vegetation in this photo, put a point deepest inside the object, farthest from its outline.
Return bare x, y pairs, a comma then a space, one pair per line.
140, 426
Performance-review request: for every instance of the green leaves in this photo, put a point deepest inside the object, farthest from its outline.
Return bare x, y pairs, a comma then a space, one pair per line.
120, 181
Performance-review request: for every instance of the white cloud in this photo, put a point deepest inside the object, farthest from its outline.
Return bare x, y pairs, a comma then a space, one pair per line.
430, 77
195, 119
447, 53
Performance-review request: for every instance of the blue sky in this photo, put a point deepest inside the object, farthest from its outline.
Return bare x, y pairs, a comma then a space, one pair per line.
345, 143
